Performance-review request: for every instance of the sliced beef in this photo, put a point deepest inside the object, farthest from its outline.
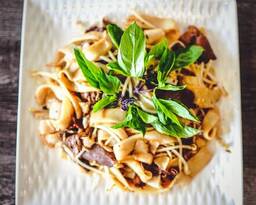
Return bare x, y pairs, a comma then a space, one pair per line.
137, 181
194, 36
76, 124
168, 177
106, 21
184, 96
95, 28
153, 168
187, 154
74, 143
100, 155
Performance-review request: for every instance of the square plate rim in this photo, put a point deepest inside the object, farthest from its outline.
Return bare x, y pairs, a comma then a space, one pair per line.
20, 84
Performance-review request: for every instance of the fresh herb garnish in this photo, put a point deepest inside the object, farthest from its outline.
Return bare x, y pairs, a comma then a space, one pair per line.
115, 33
114, 66
95, 76
174, 130
138, 119
164, 114
156, 51
165, 65
132, 61
132, 120
187, 56
131, 51
103, 102
171, 87
178, 108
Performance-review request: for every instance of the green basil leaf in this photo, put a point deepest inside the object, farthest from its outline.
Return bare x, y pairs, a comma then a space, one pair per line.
187, 56
115, 33
164, 113
103, 102
115, 67
174, 130
165, 65
158, 49
88, 69
146, 117
171, 87
179, 109
131, 51
109, 84
132, 120
95, 76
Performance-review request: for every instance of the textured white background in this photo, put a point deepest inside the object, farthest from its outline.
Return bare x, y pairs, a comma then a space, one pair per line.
44, 178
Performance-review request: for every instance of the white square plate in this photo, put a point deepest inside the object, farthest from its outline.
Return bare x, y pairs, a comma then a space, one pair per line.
44, 178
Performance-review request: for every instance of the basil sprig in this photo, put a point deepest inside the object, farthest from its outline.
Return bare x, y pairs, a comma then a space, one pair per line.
95, 76
132, 60
132, 120
138, 119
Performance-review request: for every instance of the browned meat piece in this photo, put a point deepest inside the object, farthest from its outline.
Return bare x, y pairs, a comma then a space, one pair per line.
74, 143
168, 177
184, 96
76, 124
95, 28
153, 168
137, 182
106, 21
194, 36
100, 155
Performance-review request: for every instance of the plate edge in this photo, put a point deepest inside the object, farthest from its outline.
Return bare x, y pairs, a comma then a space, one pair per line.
17, 164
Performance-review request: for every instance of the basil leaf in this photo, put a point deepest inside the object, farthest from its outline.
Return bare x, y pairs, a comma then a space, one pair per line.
103, 102
131, 51
115, 67
187, 56
146, 117
132, 120
88, 69
174, 130
156, 51
165, 65
171, 87
109, 84
179, 109
164, 113
95, 76
115, 33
